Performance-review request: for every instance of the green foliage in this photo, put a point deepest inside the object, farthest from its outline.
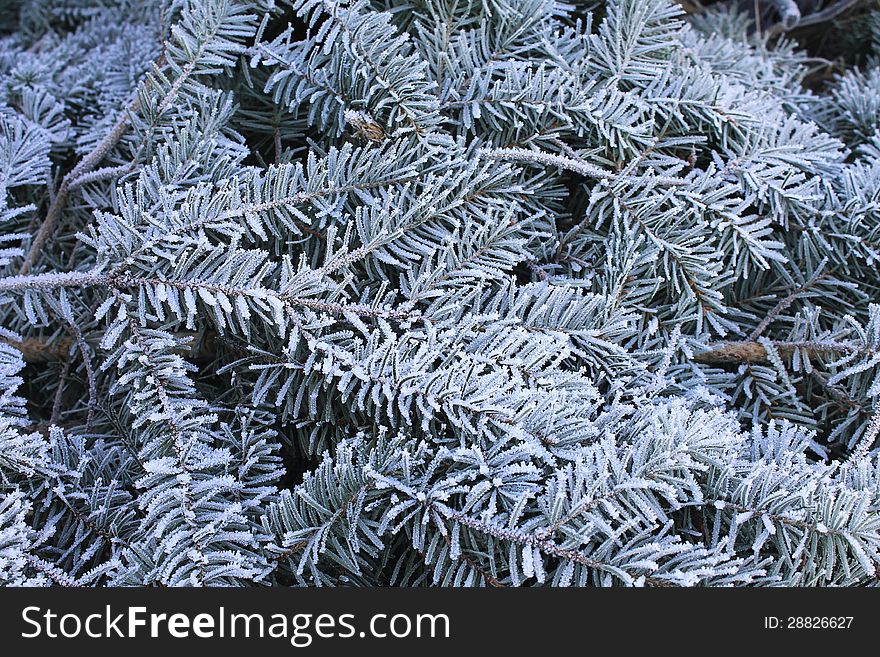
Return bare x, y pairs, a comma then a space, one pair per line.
434, 293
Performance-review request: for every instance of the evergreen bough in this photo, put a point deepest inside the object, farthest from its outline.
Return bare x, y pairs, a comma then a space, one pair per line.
436, 292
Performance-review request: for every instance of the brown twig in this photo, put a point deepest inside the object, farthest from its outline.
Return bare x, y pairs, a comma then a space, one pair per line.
48, 350
83, 168
42, 350
749, 351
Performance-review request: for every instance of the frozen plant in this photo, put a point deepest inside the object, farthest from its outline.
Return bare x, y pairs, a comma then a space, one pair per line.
432, 292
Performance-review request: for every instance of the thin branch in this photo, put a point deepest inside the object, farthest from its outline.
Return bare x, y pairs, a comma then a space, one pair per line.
42, 350
84, 167
59, 393
54, 281
782, 305
827, 14
749, 351
866, 442
49, 350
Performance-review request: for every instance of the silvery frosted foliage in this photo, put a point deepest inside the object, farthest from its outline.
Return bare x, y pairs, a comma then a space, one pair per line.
373, 292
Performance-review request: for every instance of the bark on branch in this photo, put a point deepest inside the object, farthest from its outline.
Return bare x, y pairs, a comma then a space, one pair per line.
46, 350
749, 351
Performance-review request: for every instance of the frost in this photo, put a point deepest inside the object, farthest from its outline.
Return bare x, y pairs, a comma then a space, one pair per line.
553, 299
